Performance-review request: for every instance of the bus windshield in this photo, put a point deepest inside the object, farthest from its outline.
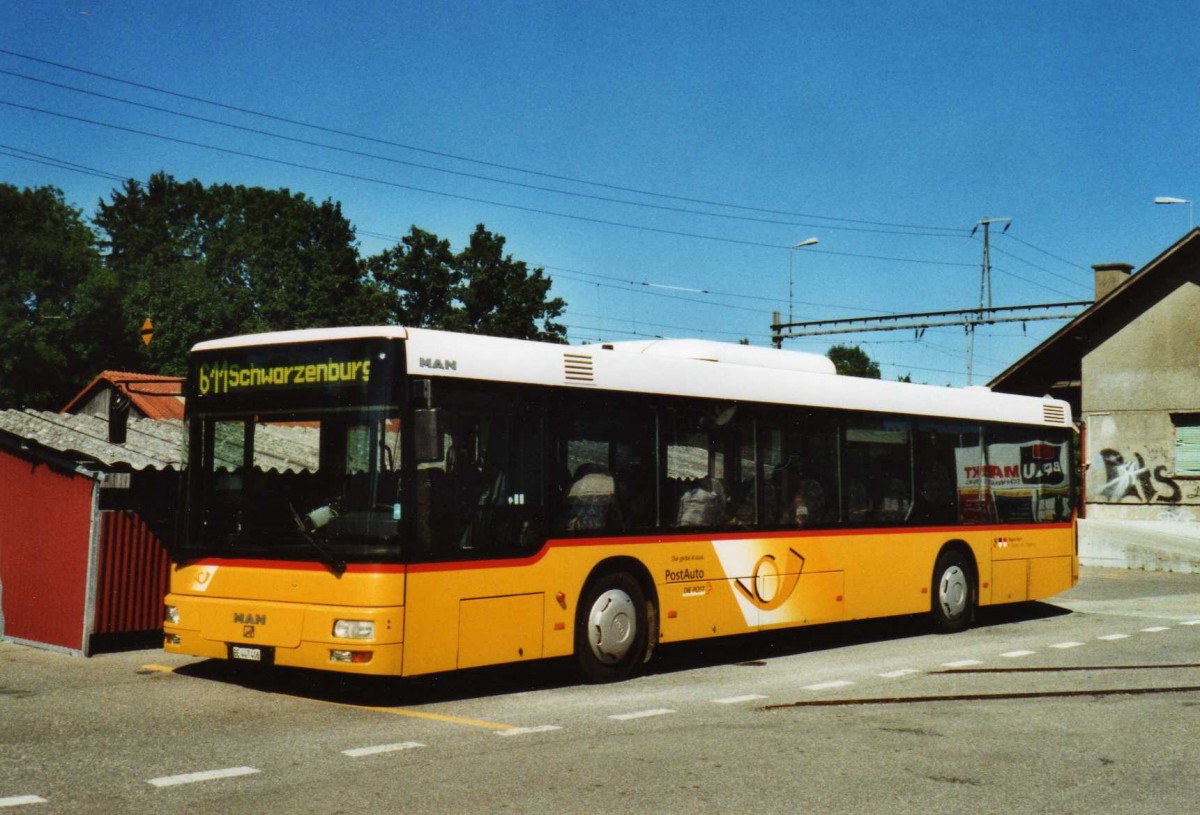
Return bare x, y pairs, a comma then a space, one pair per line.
307, 471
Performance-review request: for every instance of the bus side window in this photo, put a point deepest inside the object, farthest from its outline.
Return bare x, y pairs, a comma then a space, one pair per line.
484, 499
798, 450
711, 477
1028, 474
878, 463
602, 464
935, 460
692, 488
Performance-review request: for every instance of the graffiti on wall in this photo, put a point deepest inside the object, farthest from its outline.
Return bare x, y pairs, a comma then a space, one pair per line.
1135, 480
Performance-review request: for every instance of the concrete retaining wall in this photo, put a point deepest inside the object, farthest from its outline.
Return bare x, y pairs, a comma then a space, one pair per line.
1157, 546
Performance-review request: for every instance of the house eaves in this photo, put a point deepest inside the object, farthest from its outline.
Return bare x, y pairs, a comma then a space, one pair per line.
1093, 320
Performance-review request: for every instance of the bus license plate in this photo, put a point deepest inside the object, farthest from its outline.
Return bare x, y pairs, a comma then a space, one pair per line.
249, 654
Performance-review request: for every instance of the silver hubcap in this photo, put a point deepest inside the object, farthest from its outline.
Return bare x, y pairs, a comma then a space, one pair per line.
612, 626
953, 591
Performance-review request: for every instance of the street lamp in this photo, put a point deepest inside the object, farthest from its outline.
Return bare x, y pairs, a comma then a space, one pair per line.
806, 242
1165, 199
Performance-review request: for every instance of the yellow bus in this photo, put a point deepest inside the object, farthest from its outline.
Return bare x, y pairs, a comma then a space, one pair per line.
407, 501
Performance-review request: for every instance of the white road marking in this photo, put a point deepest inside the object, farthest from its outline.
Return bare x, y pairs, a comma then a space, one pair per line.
900, 673
21, 800
1113, 637
839, 683
1154, 629
206, 775
1015, 654
1191, 622
522, 731
641, 714
1071, 644
962, 663
358, 752
737, 700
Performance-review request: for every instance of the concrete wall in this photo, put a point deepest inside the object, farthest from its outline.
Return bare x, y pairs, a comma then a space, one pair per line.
1133, 381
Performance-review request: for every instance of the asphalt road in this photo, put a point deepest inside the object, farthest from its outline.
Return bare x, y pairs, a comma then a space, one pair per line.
1087, 704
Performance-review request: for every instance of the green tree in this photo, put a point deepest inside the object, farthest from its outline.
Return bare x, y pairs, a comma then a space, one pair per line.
418, 280
479, 290
47, 254
502, 297
205, 262
850, 360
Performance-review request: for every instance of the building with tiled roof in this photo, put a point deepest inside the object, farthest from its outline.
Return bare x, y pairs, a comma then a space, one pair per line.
150, 396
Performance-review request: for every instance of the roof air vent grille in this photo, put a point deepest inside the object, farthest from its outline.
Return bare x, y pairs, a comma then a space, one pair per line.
1054, 414
579, 368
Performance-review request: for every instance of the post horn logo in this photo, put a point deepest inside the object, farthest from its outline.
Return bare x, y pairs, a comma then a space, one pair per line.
770, 587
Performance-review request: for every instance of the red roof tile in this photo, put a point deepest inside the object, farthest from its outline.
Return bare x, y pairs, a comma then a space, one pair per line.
157, 397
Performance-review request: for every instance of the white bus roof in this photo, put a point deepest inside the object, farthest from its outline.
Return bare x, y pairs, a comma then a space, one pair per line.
694, 368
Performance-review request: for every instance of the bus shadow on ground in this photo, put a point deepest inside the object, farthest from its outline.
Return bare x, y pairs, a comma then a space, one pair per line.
747, 650
755, 649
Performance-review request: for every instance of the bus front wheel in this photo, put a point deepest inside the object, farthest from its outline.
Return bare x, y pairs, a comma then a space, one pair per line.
953, 592
612, 628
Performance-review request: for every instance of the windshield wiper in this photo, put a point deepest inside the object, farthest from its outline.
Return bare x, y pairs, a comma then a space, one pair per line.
336, 564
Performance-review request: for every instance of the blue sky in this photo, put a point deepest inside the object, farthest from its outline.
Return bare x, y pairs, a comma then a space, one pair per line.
658, 158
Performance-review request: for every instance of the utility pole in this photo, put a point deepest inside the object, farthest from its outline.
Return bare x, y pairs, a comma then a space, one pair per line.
969, 318
985, 284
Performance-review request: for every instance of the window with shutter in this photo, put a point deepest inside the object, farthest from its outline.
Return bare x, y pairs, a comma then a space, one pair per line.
1187, 444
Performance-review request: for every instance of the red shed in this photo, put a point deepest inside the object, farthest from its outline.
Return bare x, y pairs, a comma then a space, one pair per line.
85, 531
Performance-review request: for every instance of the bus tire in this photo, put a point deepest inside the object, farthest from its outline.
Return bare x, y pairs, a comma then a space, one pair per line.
953, 592
612, 628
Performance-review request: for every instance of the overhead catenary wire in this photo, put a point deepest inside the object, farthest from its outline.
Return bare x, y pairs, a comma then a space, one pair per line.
626, 283
1011, 236
502, 181
621, 284
472, 176
629, 285
37, 158
457, 157
456, 196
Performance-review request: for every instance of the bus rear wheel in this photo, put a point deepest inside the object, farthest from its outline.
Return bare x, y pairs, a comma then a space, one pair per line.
612, 628
953, 592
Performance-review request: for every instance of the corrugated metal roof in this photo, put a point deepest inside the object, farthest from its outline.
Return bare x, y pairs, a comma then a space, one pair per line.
157, 444
149, 443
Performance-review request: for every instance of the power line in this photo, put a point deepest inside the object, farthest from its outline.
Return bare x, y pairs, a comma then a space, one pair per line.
457, 196
456, 157
626, 285
38, 158
647, 323
1033, 265
461, 173
411, 187
635, 286
1048, 254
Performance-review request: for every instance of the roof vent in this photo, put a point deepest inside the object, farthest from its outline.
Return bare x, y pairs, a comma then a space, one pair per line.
578, 368
1054, 414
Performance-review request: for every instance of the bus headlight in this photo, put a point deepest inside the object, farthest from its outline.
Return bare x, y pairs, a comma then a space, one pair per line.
171, 614
354, 629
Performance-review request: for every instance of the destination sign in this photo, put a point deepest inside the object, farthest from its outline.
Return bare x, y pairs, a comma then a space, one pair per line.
308, 370
220, 378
